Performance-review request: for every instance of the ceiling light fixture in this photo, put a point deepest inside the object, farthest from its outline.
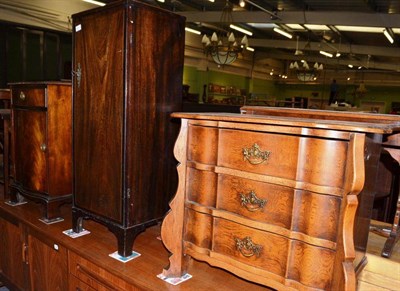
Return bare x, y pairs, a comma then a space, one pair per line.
242, 30
224, 49
326, 54
192, 30
242, 3
250, 49
282, 32
386, 32
304, 73
95, 2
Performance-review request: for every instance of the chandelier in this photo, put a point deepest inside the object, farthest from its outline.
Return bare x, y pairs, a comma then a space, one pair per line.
304, 72
224, 48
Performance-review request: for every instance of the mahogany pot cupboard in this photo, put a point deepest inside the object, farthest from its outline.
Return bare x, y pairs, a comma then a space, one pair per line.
127, 67
41, 145
272, 198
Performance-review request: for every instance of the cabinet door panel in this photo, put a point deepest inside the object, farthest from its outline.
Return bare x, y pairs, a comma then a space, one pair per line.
48, 266
29, 131
98, 114
11, 264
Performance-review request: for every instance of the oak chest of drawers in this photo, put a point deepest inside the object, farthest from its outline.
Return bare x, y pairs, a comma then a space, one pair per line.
271, 199
41, 144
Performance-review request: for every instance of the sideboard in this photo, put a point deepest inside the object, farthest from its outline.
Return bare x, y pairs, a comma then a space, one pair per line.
37, 256
272, 199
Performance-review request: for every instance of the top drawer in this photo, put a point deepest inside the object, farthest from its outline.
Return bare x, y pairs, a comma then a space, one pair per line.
319, 161
29, 97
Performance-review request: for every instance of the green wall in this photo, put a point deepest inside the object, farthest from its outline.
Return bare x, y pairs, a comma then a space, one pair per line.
273, 89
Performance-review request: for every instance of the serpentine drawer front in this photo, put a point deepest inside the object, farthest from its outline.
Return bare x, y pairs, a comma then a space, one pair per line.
272, 203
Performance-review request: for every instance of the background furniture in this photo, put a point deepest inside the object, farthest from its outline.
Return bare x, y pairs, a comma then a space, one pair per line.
5, 114
392, 146
279, 206
128, 63
41, 145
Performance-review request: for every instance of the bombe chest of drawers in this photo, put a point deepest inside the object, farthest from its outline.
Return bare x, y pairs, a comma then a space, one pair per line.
271, 199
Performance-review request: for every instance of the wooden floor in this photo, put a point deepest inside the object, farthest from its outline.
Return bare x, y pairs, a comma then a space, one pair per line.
380, 273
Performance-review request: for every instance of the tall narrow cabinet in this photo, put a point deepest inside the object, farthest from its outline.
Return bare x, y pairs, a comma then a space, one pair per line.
127, 67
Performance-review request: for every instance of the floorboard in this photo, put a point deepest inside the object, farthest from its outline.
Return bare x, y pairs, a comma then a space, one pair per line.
380, 273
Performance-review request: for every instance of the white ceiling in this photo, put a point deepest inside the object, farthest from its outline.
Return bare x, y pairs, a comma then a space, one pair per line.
51, 14
363, 49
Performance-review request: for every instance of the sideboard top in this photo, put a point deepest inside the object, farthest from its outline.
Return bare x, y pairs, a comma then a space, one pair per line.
345, 121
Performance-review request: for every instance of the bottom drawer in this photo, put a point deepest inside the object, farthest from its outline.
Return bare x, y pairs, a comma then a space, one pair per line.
77, 285
296, 261
252, 247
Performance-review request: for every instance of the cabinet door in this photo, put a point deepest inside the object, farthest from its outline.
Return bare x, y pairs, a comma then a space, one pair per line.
98, 113
11, 259
30, 149
48, 265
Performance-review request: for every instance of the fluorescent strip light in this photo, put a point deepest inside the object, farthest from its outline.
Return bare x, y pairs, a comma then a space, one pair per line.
284, 33
250, 48
192, 30
359, 28
350, 66
242, 30
295, 26
326, 54
388, 36
316, 26
262, 25
211, 1
162, 1
95, 2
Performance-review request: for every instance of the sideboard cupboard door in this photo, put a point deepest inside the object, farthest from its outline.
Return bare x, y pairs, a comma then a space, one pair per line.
128, 67
11, 254
48, 264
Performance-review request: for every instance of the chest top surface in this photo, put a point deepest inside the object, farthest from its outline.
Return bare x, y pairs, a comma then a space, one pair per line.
366, 123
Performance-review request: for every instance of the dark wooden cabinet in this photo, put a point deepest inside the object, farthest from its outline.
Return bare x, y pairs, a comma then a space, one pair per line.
127, 64
41, 144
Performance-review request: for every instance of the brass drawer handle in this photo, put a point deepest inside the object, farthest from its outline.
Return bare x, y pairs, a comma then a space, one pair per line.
22, 95
43, 147
247, 248
251, 202
255, 155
